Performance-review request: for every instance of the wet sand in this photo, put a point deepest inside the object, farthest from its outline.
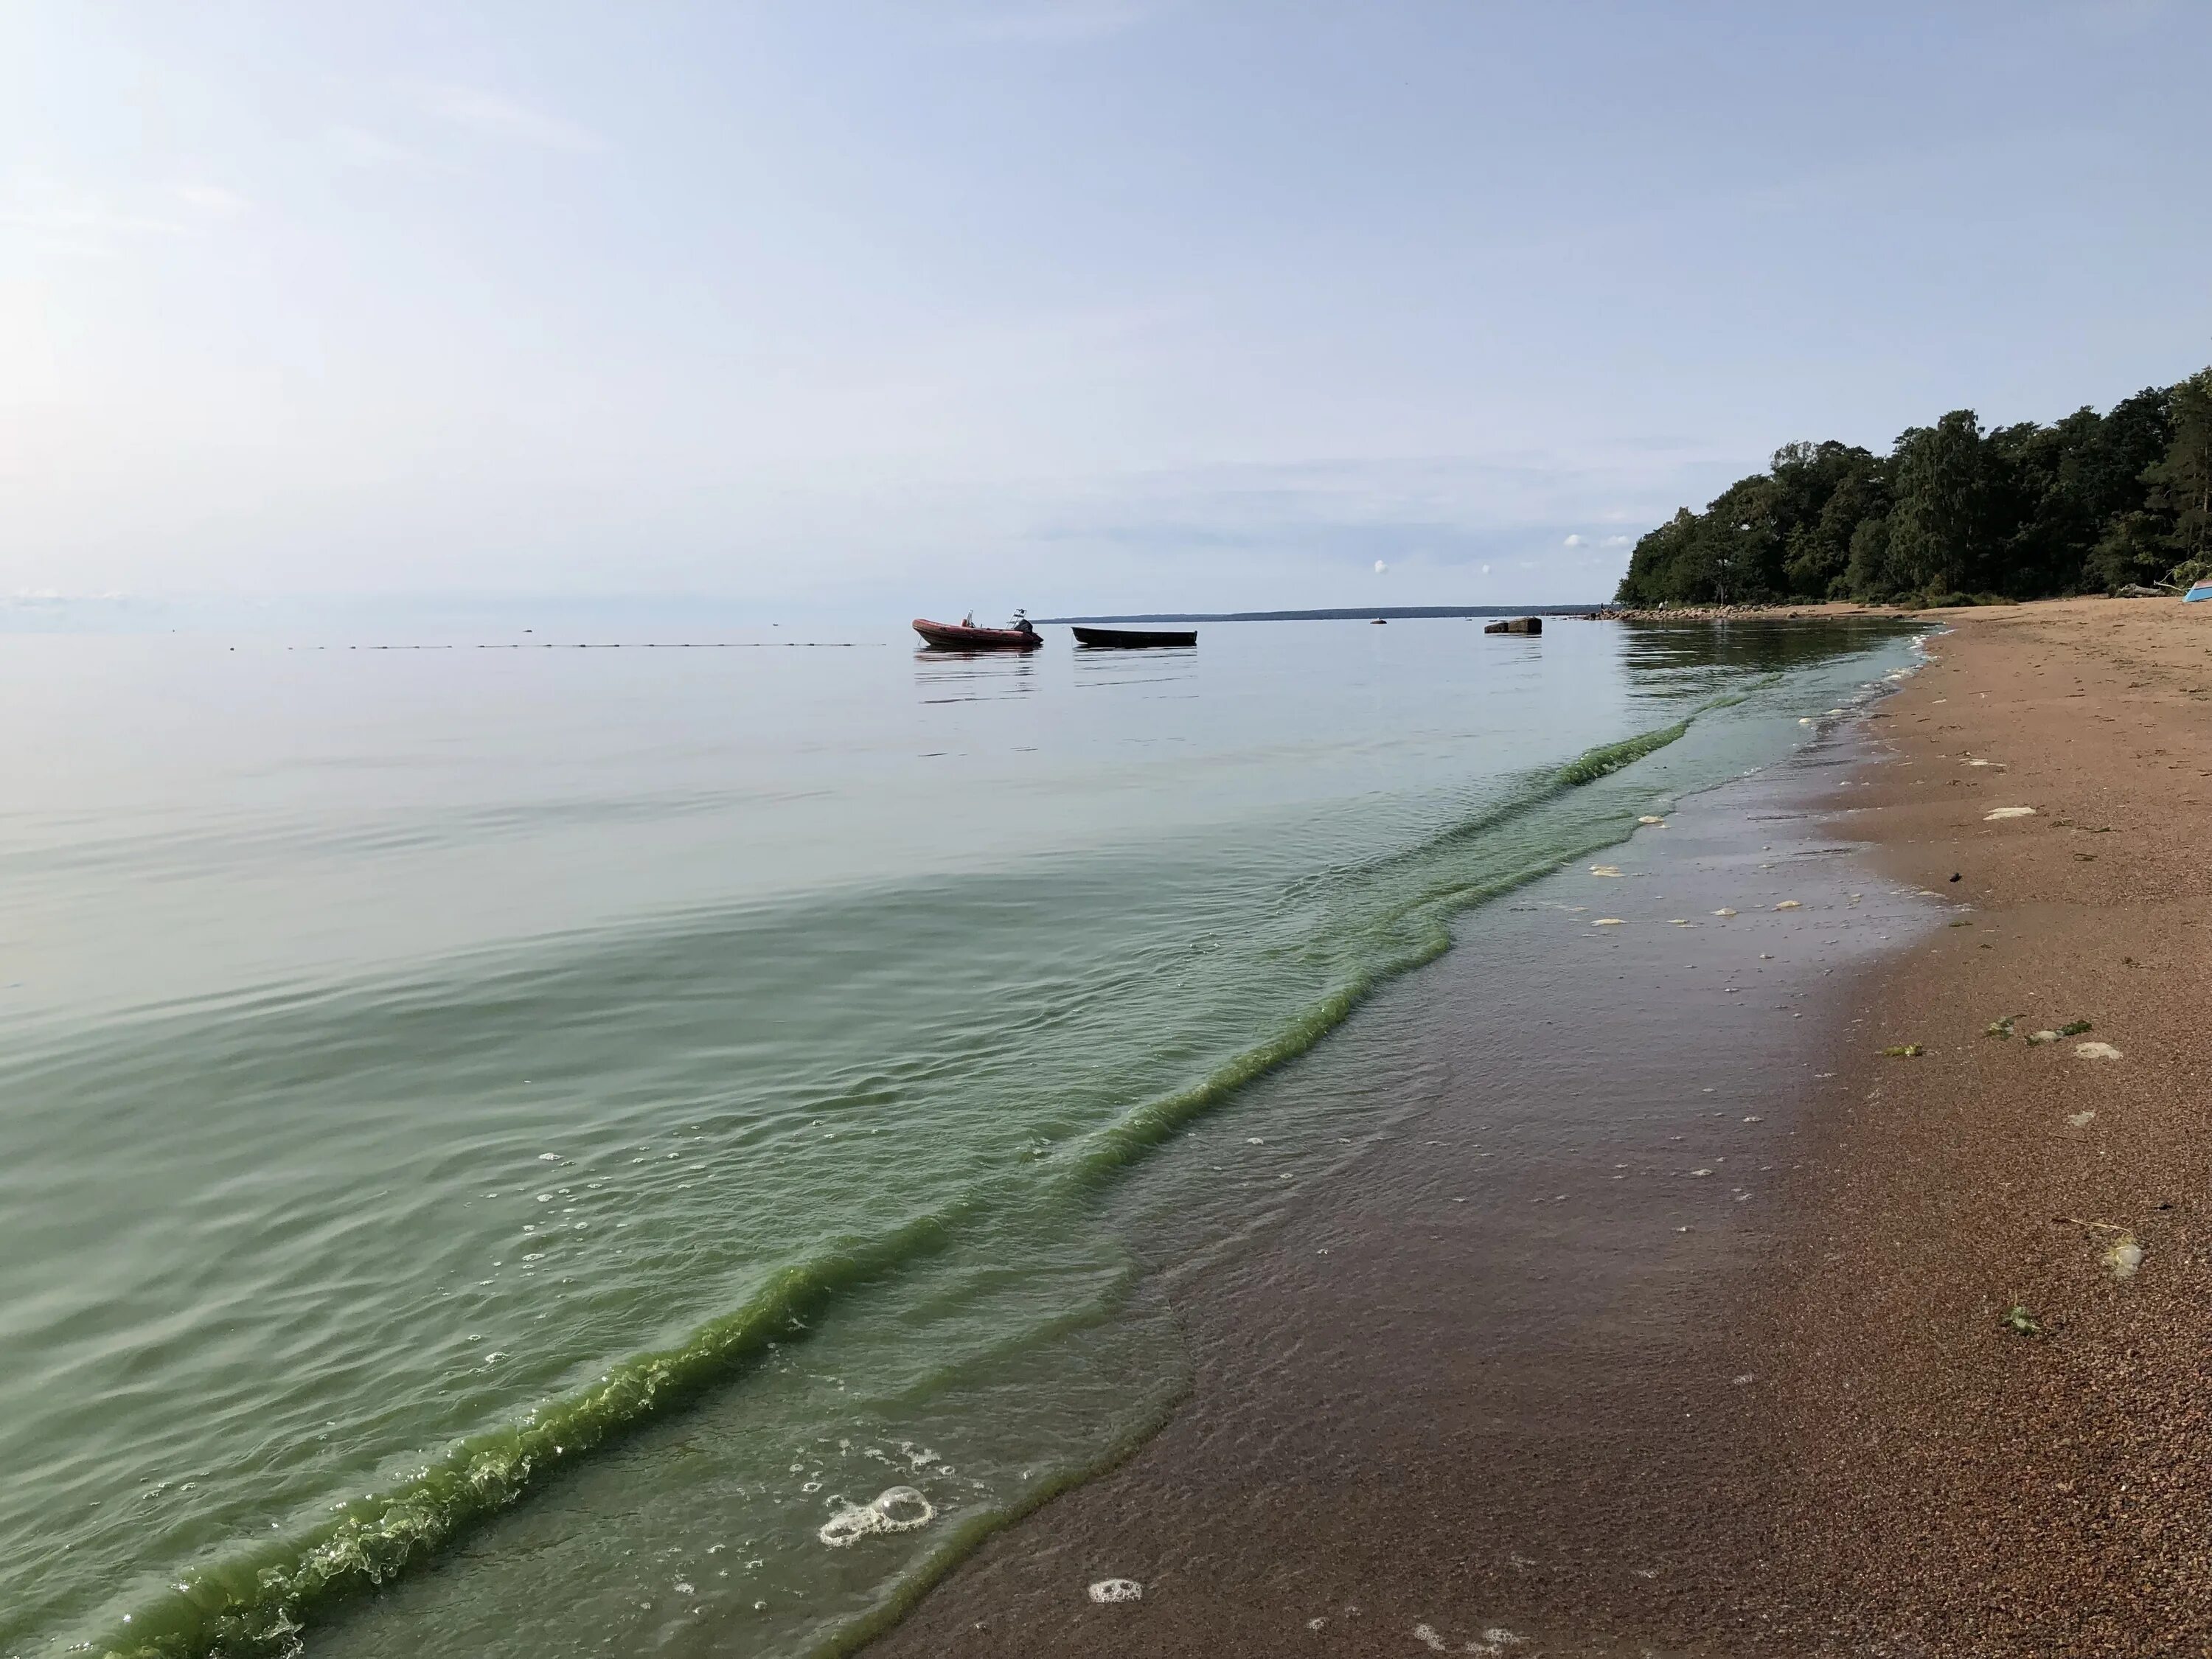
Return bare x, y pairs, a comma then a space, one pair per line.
1672, 1325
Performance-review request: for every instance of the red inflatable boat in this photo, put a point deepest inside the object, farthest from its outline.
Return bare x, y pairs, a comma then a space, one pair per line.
958, 636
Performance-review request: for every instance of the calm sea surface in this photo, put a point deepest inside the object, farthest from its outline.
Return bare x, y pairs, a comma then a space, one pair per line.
607, 1146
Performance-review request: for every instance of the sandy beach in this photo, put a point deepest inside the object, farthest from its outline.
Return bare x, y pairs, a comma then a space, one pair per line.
1687, 1321
1961, 1487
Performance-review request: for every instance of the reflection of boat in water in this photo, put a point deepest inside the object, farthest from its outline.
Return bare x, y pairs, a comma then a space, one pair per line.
1133, 639
966, 637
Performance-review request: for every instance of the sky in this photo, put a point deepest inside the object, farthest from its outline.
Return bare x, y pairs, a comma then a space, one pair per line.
1079, 305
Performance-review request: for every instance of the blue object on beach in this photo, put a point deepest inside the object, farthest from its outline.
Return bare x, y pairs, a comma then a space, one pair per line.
2201, 590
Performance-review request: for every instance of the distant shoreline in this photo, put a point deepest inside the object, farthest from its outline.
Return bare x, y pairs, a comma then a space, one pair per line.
1805, 610
1390, 613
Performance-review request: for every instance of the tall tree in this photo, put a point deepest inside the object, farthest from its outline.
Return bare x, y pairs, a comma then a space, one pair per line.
1820, 492
2181, 482
1942, 484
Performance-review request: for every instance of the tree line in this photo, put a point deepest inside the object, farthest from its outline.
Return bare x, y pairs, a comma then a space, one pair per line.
2090, 504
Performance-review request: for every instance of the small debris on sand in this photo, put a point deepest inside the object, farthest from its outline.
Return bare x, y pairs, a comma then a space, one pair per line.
1905, 1051
2009, 812
2124, 1258
2095, 1051
1108, 1591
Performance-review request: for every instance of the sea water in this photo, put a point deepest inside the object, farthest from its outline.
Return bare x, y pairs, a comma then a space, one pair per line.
522, 1143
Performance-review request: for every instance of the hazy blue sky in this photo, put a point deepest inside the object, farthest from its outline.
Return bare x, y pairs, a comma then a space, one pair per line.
1099, 303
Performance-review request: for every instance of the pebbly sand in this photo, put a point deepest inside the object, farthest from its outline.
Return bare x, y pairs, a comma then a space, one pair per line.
1674, 1323
1956, 1488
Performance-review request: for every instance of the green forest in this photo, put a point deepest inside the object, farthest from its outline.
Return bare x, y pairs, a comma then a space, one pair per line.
1955, 513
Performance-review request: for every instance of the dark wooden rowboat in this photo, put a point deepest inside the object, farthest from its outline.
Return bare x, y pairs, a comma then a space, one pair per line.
1133, 639
952, 636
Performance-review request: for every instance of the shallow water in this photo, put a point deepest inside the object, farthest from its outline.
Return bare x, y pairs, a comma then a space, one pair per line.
551, 1130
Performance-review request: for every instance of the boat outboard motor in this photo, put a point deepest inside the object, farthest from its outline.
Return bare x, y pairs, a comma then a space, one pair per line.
1021, 624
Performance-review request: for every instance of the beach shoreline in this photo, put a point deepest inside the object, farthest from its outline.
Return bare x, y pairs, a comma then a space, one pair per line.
1542, 1420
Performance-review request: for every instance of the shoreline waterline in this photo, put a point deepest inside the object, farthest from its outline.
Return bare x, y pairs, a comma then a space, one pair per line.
1557, 1237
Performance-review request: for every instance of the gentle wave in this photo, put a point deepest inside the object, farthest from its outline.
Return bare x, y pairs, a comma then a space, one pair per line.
257, 1604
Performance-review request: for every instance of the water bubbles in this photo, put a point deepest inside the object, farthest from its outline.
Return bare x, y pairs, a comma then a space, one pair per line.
901, 1509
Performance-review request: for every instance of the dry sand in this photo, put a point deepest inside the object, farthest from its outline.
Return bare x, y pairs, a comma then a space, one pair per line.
1566, 1418
1958, 1488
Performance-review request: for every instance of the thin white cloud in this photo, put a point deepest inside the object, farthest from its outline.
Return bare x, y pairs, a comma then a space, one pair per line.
1572, 541
495, 115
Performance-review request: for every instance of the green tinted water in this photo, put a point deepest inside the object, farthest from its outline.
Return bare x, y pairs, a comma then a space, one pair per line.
548, 1133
